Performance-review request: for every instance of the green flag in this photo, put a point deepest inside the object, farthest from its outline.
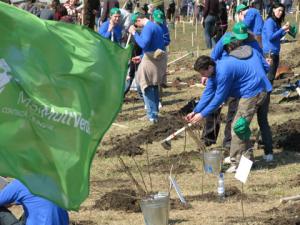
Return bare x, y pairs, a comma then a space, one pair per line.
61, 87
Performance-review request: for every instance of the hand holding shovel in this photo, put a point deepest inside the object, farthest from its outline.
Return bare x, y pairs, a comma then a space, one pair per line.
166, 143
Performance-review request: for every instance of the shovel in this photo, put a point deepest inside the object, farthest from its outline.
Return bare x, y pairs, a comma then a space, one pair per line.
166, 143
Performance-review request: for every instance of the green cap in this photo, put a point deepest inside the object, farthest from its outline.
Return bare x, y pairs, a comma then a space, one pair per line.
240, 8
293, 31
158, 16
134, 17
240, 31
114, 11
228, 39
241, 129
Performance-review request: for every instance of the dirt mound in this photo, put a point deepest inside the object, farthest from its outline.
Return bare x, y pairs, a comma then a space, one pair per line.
295, 182
181, 163
287, 135
127, 200
292, 58
130, 144
119, 200
284, 215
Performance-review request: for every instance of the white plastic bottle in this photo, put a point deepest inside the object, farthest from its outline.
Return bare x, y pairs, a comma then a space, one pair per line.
221, 187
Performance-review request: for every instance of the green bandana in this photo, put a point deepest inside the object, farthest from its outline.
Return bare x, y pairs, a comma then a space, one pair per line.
114, 11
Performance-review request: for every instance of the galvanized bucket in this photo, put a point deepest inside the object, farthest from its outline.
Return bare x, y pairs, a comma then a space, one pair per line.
156, 209
212, 162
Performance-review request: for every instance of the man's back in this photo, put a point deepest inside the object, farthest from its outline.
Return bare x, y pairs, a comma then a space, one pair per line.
37, 210
247, 76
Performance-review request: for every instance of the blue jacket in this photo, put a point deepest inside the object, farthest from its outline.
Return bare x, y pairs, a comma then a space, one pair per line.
254, 21
166, 33
234, 78
218, 51
151, 38
117, 31
271, 35
38, 211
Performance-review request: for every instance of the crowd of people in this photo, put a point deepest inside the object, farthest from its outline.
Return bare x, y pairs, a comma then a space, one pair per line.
240, 72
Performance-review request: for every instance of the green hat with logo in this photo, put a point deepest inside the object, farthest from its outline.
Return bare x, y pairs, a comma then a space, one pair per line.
240, 31
241, 7
114, 11
228, 39
241, 129
293, 31
134, 17
158, 16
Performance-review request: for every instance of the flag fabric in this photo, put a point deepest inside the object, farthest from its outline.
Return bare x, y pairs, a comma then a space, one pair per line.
61, 87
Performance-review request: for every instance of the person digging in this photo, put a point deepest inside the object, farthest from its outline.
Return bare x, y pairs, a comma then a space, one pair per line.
240, 75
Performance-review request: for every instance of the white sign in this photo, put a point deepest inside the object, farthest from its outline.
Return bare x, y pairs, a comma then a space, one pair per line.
243, 169
177, 189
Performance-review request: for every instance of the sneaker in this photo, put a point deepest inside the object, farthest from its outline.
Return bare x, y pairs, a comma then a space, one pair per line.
153, 120
269, 158
231, 169
227, 160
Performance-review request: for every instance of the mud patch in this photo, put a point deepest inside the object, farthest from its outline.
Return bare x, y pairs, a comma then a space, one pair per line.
285, 215
127, 200
292, 58
287, 135
295, 182
119, 200
129, 145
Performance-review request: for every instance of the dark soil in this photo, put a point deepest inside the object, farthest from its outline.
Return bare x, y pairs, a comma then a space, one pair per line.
292, 59
295, 182
129, 145
121, 200
287, 135
284, 215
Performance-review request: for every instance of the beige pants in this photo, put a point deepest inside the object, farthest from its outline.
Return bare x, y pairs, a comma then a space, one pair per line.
247, 108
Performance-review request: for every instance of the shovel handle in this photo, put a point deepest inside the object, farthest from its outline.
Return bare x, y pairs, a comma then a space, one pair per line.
176, 133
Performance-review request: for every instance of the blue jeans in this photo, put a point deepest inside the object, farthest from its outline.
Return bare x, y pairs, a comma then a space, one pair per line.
209, 29
151, 99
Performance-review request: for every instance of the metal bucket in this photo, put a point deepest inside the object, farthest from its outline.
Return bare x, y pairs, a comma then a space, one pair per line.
156, 209
212, 162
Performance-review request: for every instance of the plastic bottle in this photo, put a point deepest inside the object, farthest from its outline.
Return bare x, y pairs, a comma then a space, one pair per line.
221, 188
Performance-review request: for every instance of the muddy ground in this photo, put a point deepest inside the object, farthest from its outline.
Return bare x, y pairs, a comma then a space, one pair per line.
287, 135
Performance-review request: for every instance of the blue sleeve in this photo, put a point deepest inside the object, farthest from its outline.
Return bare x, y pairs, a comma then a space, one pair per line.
206, 96
143, 39
221, 94
249, 18
217, 52
9, 194
271, 35
103, 30
167, 39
